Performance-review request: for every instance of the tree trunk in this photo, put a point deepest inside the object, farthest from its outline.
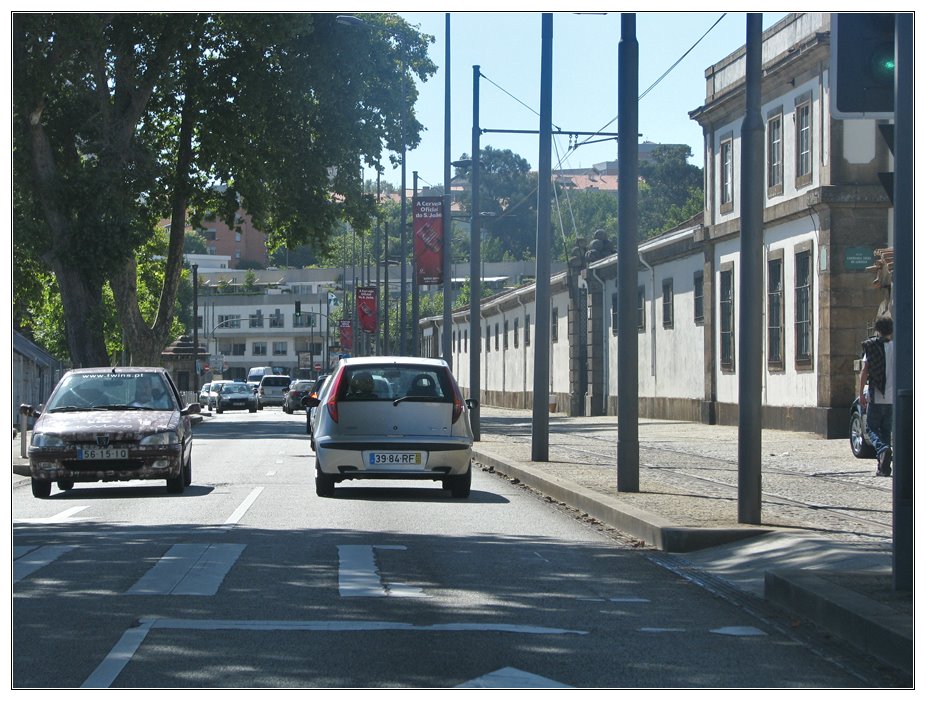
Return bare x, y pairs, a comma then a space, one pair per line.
83, 314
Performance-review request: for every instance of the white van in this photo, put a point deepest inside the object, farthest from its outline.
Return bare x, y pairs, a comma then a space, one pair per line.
255, 374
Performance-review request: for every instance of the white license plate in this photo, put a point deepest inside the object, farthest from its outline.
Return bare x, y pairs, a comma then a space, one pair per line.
102, 453
396, 458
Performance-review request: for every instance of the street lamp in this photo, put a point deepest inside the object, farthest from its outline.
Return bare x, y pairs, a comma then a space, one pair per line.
354, 21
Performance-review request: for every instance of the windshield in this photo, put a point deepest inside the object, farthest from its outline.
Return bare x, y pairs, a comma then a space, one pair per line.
111, 390
235, 388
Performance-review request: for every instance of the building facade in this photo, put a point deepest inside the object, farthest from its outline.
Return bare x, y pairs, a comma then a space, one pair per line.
825, 215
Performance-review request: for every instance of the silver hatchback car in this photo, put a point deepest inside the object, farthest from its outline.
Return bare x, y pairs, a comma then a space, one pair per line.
392, 418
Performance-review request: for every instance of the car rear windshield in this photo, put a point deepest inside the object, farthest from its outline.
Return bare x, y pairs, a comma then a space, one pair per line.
391, 382
275, 382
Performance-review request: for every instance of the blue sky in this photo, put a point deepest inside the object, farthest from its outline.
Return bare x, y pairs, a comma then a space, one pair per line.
506, 46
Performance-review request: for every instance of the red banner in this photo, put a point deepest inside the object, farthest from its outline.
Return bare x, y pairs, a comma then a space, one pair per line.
428, 231
366, 309
347, 334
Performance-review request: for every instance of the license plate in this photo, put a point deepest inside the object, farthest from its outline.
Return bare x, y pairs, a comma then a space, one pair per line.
102, 453
396, 458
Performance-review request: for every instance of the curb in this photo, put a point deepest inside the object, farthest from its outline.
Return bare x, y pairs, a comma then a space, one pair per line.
871, 627
648, 527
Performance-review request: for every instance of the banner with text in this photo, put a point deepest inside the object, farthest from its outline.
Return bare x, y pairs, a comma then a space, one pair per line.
428, 231
347, 334
366, 309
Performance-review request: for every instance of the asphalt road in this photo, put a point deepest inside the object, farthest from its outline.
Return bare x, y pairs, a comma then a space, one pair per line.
250, 580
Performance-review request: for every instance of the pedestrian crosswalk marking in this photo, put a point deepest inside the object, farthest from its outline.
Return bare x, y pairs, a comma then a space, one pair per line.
36, 558
189, 569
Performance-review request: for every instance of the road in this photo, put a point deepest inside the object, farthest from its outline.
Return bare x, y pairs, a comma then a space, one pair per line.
248, 579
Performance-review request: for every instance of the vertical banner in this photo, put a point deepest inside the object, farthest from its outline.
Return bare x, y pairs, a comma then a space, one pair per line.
428, 232
347, 335
366, 309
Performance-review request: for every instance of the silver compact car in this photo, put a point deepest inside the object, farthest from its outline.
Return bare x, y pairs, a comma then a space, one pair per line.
392, 418
235, 395
112, 424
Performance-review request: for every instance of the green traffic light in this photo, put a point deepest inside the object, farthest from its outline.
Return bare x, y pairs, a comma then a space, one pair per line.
883, 63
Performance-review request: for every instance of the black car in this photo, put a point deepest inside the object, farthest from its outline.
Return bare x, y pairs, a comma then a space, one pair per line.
235, 395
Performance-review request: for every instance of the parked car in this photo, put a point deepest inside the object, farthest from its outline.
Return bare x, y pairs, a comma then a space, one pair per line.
393, 418
311, 411
112, 424
858, 436
235, 395
292, 397
270, 391
204, 394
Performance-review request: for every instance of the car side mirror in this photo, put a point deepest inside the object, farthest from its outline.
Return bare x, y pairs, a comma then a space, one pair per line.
193, 408
472, 403
310, 402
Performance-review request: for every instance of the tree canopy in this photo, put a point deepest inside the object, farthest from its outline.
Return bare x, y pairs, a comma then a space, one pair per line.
122, 120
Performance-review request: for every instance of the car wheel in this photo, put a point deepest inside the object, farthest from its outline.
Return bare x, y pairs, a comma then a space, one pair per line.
188, 472
176, 485
287, 410
65, 485
218, 409
252, 410
460, 485
324, 484
41, 489
860, 448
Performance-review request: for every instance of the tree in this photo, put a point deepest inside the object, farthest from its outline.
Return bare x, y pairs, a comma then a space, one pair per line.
672, 190
508, 193
123, 119
582, 213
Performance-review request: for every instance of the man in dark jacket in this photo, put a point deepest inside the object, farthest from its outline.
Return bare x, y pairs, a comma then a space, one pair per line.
878, 373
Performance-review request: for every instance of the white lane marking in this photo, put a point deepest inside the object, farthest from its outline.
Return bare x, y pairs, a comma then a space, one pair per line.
57, 518
358, 576
512, 678
271, 473
628, 600
189, 569
245, 505
33, 560
123, 651
741, 631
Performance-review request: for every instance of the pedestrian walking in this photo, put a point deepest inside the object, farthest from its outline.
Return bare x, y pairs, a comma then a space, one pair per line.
878, 403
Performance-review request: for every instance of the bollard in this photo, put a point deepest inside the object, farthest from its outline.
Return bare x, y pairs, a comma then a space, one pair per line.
25, 411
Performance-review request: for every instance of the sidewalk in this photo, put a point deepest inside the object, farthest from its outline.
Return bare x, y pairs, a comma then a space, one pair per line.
823, 550
818, 552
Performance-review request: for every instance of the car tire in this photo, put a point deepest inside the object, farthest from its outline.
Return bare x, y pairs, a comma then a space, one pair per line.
252, 410
324, 484
460, 485
176, 485
860, 447
41, 489
218, 409
188, 472
65, 485
287, 410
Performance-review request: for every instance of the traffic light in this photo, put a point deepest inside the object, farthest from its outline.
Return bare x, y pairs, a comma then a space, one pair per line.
862, 65
298, 308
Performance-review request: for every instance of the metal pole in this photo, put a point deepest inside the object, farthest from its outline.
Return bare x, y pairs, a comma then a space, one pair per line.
195, 270
386, 342
628, 257
377, 257
749, 456
540, 426
475, 287
903, 304
446, 346
403, 322
413, 334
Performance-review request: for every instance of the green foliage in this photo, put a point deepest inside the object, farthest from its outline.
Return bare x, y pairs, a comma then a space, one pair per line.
673, 190
583, 213
118, 118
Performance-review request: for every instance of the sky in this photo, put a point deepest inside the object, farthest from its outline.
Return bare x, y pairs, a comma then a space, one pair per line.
506, 47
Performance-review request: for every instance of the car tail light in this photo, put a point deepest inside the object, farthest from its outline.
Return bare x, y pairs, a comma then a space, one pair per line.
457, 401
333, 401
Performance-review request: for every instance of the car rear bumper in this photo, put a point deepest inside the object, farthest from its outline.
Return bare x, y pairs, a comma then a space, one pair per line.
346, 459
